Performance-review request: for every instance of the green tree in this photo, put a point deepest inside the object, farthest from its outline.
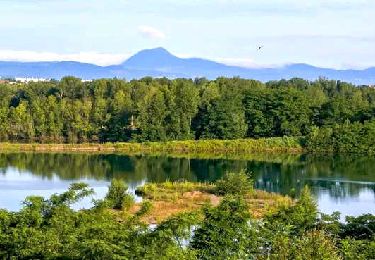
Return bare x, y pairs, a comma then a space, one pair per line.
225, 119
21, 125
225, 232
117, 196
151, 117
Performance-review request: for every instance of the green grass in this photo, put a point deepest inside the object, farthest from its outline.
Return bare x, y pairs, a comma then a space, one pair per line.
172, 190
239, 146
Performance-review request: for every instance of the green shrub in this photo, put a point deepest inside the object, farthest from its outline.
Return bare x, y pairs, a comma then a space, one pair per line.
127, 202
357, 249
146, 207
117, 195
362, 227
314, 245
234, 183
301, 217
225, 232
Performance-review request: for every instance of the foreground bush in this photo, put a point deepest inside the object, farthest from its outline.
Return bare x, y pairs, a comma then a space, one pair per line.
47, 228
225, 232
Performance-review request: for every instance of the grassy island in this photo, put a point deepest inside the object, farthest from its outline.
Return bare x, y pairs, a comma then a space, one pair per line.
171, 198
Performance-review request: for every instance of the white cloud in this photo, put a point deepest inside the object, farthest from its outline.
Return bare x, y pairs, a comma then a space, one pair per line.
241, 62
234, 61
151, 32
101, 59
246, 63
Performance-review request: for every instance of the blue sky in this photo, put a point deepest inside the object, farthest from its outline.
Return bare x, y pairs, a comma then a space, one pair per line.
330, 33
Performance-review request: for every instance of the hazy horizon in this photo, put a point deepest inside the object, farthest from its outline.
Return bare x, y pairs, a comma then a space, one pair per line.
330, 34
81, 59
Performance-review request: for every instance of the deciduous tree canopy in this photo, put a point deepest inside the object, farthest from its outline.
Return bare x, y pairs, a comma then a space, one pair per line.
334, 115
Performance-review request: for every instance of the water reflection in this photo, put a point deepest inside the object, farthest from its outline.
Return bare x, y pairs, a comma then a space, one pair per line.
336, 181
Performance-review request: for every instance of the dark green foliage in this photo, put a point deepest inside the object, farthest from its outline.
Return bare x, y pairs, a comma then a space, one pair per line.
224, 119
225, 232
335, 116
345, 138
362, 227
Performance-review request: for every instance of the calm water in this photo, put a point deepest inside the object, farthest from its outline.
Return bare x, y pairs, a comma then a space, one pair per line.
341, 183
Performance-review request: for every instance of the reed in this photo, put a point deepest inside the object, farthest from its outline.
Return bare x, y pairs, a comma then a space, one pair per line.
239, 146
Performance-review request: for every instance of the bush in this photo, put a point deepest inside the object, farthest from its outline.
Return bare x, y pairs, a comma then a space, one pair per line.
315, 245
300, 217
357, 249
225, 232
362, 227
117, 196
234, 184
146, 207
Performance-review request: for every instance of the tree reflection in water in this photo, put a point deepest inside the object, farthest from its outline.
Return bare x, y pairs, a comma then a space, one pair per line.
340, 176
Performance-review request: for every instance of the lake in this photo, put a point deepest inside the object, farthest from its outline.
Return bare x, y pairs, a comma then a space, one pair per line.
339, 183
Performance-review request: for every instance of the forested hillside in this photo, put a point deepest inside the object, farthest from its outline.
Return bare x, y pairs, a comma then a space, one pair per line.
333, 115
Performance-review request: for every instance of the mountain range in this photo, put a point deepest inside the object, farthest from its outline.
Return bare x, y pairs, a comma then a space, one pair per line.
159, 62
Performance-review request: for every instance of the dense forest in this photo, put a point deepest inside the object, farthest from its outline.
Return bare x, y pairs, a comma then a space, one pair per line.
47, 228
331, 115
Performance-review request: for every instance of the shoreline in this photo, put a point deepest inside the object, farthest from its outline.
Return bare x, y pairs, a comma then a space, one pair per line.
291, 145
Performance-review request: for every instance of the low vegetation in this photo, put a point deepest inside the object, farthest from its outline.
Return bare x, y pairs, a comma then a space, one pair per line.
227, 229
234, 183
172, 190
169, 198
243, 146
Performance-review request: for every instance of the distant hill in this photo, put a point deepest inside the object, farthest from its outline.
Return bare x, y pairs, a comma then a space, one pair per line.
161, 63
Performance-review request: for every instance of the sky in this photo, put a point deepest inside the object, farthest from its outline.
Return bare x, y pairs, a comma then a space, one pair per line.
326, 33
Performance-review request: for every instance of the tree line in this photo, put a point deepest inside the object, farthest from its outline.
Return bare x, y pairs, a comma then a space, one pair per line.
159, 109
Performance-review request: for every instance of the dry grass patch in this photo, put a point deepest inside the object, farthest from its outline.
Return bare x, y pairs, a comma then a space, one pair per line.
262, 202
172, 191
171, 198
162, 210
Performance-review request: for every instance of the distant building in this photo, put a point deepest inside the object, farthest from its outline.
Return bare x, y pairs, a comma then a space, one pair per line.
26, 80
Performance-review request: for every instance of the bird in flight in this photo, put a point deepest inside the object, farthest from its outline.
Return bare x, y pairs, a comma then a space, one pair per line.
260, 47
